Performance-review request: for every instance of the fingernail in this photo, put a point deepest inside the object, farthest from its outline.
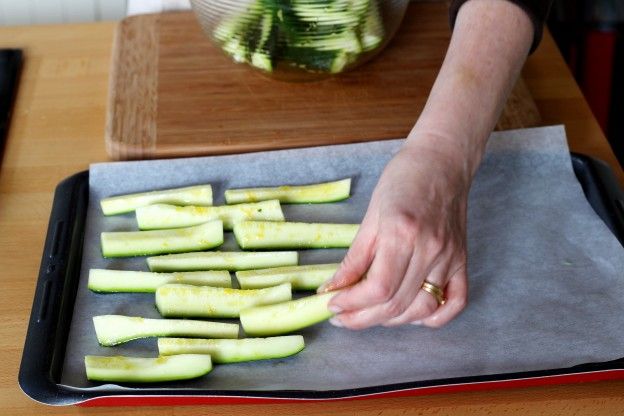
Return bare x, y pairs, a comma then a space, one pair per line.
322, 288
334, 309
416, 323
336, 322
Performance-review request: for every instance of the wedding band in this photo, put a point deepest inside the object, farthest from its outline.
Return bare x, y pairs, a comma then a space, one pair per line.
434, 291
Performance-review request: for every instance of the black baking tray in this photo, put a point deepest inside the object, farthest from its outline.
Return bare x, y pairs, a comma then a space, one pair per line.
55, 293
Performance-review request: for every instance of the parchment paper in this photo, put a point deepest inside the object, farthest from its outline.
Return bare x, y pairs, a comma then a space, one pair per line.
546, 275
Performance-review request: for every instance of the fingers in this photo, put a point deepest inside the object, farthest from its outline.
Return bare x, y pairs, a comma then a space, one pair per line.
423, 304
356, 262
456, 296
383, 279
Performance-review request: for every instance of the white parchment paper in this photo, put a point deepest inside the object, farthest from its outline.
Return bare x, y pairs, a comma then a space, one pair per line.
546, 275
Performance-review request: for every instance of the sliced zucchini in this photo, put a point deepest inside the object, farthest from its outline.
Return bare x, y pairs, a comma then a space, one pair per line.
222, 260
234, 350
116, 329
215, 302
308, 277
147, 370
170, 216
101, 280
267, 235
372, 30
293, 194
192, 195
286, 317
137, 243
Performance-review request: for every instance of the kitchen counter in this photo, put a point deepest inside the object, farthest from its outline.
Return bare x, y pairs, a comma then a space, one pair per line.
58, 130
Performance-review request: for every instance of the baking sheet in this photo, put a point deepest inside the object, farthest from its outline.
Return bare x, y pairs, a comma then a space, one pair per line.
546, 275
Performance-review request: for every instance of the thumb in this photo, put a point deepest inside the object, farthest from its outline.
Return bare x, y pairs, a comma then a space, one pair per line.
356, 262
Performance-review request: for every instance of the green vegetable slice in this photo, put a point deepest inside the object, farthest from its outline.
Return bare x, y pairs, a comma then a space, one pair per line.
308, 277
137, 243
293, 194
101, 280
116, 329
215, 302
192, 195
286, 317
234, 350
147, 370
222, 260
170, 216
270, 235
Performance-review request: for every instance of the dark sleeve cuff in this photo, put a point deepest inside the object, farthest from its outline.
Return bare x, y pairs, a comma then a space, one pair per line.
536, 9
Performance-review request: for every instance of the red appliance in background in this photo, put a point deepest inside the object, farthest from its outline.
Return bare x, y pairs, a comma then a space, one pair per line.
590, 35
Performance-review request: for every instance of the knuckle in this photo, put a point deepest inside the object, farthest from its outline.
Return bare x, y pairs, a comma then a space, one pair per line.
405, 228
428, 309
381, 292
348, 262
394, 308
435, 245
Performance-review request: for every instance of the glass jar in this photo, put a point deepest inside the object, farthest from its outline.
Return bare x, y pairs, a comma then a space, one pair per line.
300, 39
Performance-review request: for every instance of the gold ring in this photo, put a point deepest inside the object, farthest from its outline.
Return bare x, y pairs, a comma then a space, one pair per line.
434, 291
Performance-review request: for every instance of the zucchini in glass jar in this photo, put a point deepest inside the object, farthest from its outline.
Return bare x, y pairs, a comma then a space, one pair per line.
300, 36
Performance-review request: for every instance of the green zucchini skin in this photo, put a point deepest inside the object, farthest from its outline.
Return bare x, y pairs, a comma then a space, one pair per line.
299, 235
114, 281
160, 216
222, 260
282, 318
293, 194
191, 195
224, 351
305, 277
187, 301
147, 370
140, 243
116, 329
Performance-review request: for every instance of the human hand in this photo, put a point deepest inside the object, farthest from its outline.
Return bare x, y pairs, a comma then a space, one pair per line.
414, 231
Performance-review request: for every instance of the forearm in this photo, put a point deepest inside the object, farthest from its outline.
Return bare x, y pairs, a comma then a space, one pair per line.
490, 43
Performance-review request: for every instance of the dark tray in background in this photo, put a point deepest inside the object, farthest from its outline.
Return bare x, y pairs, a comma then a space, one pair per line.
46, 339
10, 66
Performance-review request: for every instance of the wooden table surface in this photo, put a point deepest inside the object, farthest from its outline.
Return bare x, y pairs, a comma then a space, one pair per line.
58, 129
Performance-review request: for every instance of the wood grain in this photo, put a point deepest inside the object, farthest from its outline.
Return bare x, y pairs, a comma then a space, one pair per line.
133, 89
208, 105
58, 129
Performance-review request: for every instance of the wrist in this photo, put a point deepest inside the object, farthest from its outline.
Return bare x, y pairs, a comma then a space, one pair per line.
458, 152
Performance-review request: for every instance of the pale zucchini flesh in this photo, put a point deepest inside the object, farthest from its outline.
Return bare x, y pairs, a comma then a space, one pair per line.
147, 370
161, 216
234, 350
101, 280
214, 302
222, 260
293, 194
191, 195
306, 277
286, 317
300, 235
117, 329
138, 243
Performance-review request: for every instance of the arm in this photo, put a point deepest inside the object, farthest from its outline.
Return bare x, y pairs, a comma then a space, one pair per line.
415, 226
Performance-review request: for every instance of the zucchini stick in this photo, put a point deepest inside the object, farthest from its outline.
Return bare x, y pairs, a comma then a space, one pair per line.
192, 195
137, 243
293, 194
234, 350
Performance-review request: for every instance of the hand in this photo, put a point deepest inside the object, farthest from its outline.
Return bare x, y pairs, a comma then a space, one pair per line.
414, 230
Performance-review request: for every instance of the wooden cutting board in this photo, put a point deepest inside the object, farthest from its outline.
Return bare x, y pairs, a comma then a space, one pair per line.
172, 93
